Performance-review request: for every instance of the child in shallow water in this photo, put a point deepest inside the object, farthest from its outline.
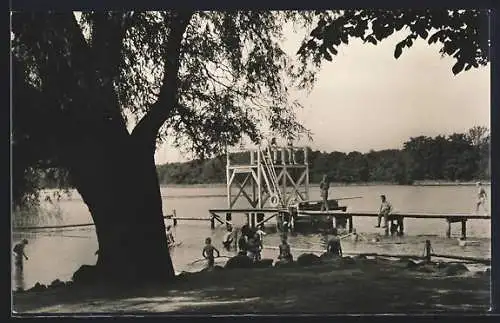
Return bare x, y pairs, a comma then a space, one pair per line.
285, 253
208, 252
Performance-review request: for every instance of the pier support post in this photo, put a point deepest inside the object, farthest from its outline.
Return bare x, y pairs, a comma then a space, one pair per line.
427, 253
350, 224
464, 229
448, 228
252, 219
212, 222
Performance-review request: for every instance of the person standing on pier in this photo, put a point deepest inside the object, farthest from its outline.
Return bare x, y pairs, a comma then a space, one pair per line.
324, 186
273, 146
385, 210
19, 253
481, 198
291, 150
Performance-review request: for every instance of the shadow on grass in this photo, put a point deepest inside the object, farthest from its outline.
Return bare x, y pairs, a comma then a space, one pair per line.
368, 288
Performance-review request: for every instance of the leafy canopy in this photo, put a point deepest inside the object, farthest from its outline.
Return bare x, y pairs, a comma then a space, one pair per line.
463, 34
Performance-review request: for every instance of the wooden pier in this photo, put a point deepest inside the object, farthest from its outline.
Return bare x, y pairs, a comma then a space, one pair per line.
347, 217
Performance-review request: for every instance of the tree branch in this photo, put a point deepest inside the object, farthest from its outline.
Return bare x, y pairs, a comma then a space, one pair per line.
148, 127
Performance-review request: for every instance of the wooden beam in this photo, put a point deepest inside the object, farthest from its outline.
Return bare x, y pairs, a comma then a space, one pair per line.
404, 215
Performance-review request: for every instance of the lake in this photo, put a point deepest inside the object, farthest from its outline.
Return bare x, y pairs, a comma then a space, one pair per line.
59, 253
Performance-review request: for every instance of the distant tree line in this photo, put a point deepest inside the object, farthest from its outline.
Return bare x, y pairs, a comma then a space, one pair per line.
457, 157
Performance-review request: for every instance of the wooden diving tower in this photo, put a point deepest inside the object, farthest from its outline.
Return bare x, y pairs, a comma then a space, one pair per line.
268, 180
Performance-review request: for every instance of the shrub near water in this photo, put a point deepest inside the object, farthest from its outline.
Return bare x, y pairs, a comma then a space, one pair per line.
37, 215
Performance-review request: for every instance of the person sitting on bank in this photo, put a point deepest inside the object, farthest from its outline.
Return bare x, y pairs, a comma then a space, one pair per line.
324, 186
208, 252
334, 248
228, 237
285, 252
19, 253
385, 210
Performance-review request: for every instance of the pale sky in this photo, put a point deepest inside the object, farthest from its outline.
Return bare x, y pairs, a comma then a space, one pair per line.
366, 99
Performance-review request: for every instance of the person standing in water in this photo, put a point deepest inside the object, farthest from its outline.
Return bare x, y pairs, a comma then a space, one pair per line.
481, 198
208, 252
384, 211
170, 236
285, 253
324, 186
228, 237
334, 247
19, 253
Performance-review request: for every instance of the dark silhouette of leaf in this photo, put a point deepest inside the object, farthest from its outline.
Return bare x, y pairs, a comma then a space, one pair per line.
458, 67
398, 51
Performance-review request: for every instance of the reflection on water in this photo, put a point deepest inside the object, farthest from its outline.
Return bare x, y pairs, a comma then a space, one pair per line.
59, 253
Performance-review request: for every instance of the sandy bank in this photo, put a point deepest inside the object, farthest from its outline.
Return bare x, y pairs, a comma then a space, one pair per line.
368, 286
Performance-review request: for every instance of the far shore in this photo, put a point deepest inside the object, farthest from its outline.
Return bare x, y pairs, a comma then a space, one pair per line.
338, 184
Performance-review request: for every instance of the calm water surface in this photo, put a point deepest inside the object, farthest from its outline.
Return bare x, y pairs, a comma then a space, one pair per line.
58, 253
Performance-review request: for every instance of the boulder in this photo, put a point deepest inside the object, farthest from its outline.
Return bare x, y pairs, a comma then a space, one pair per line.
348, 260
239, 261
85, 274
57, 283
264, 263
38, 288
426, 268
308, 259
455, 269
285, 264
360, 257
330, 258
411, 264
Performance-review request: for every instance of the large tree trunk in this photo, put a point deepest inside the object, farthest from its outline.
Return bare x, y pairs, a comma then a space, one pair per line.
120, 186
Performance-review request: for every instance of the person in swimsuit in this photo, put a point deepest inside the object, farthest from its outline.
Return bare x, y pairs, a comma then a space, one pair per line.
334, 247
324, 186
384, 211
228, 237
481, 198
19, 253
170, 236
208, 252
285, 253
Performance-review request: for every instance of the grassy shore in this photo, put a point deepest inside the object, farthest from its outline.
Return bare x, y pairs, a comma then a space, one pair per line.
377, 286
